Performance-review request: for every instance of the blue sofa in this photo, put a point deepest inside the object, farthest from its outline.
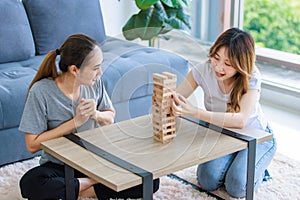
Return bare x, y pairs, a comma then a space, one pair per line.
30, 28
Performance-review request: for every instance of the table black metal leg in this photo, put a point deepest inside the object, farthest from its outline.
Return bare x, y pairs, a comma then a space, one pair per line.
251, 169
69, 179
148, 187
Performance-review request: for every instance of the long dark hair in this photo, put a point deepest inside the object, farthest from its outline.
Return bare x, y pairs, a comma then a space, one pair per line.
72, 52
241, 54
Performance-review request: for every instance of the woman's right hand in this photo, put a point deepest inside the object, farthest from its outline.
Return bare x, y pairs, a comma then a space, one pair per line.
182, 107
81, 116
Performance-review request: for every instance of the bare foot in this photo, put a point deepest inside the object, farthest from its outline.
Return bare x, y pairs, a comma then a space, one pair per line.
85, 187
88, 193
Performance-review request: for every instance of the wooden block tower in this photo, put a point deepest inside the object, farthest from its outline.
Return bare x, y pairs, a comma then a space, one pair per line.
163, 120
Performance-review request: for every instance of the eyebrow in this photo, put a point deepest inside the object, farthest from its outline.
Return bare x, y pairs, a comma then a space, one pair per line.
97, 65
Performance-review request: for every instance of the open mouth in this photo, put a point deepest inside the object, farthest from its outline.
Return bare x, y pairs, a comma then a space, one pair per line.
220, 75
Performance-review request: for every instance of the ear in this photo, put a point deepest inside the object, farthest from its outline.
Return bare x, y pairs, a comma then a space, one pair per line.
73, 70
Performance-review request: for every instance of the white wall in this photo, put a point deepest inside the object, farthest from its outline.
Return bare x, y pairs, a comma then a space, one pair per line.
115, 14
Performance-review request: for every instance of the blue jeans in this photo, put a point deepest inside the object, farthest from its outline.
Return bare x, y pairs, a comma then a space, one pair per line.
231, 170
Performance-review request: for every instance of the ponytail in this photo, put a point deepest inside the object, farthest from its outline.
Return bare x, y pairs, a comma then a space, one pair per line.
46, 69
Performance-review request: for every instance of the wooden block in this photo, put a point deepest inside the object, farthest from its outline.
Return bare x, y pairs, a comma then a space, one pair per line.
170, 75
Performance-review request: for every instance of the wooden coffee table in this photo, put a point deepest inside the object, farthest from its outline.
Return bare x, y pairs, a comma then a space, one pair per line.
124, 154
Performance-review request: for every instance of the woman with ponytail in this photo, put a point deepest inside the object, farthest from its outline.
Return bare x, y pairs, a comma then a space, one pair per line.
231, 84
62, 101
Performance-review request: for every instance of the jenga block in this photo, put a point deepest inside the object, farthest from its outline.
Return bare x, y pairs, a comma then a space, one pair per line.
159, 79
169, 75
166, 80
162, 126
165, 112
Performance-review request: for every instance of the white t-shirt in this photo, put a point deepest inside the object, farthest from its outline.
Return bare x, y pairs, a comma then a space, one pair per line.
47, 107
215, 100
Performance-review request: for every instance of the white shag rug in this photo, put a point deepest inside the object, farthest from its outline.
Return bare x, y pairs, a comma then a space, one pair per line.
285, 182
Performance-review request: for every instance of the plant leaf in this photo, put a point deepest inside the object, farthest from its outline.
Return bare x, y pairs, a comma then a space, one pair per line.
183, 2
171, 3
145, 25
157, 19
175, 3
145, 4
177, 19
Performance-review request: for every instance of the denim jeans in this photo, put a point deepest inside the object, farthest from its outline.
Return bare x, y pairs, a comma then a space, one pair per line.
231, 170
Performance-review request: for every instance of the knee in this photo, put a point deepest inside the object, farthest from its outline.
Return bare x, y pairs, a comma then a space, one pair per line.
156, 183
235, 187
30, 187
25, 186
208, 179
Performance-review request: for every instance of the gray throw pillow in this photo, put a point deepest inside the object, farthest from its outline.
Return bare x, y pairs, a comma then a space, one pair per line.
16, 41
52, 21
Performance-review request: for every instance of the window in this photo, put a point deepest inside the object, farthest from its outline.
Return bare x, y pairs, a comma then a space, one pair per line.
274, 24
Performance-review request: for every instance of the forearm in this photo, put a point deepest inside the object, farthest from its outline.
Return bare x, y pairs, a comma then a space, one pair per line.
228, 120
232, 120
187, 87
105, 117
33, 142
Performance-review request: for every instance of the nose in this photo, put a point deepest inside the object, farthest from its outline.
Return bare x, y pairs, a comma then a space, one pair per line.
99, 73
219, 68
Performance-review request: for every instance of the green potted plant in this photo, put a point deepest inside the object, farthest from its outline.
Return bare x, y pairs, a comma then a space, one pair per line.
156, 17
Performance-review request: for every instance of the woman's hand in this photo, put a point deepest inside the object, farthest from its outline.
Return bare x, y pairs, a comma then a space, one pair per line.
85, 110
88, 109
182, 107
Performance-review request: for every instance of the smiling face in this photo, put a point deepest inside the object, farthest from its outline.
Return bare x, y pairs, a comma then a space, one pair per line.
91, 67
222, 67
232, 57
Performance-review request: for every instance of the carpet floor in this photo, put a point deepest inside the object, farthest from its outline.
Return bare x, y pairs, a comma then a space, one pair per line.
284, 184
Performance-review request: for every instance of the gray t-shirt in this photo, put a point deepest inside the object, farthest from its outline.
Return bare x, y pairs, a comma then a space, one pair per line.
216, 101
47, 107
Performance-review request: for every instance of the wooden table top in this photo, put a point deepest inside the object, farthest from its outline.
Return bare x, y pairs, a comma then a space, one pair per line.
132, 140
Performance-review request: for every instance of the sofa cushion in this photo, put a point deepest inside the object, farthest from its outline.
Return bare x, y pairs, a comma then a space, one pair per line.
15, 78
133, 108
13, 147
16, 41
53, 21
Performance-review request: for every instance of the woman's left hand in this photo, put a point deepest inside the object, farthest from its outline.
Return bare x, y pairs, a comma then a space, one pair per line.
182, 107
